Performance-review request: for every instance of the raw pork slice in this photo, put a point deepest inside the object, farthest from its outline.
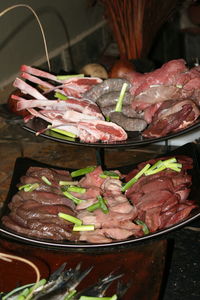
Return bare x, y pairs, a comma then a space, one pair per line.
96, 130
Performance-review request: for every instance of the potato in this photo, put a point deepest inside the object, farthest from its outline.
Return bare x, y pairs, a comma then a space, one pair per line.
94, 70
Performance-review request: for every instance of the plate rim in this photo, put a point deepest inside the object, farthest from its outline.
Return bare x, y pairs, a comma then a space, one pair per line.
117, 144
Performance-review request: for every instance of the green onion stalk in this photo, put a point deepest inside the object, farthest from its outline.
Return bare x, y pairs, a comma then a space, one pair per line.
119, 104
159, 166
29, 187
110, 174
63, 132
101, 204
82, 171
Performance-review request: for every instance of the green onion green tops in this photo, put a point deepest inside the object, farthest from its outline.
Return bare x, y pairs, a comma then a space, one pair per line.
144, 226
63, 132
93, 207
78, 226
82, 171
60, 96
70, 218
111, 174
67, 183
29, 187
83, 227
73, 198
65, 77
76, 189
135, 178
101, 204
119, 104
46, 180
159, 166
70, 295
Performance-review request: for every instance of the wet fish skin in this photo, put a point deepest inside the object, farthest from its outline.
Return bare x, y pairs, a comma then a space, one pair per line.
99, 289
68, 280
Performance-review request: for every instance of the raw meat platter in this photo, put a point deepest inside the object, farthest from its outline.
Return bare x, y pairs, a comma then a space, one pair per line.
23, 164
133, 110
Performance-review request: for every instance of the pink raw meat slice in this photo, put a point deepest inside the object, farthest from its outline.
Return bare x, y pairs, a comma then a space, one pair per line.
97, 130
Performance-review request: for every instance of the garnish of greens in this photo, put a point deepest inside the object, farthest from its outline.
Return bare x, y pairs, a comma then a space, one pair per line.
110, 174
46, 180
66, 77
119, 104
82, 171
144, 226
60, 96
29, 187
76, 189
70, 218
100, 204
63, 132
87, 227
135, 178
78, 224
159, 166
73, 198
67, 182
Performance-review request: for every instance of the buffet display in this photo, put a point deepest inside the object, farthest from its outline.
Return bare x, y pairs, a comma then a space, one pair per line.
157, 104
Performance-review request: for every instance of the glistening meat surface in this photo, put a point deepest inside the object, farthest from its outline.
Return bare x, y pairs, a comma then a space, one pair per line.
157, 201
172, 116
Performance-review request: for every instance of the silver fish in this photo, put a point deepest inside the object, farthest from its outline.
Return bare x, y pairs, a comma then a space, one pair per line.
99, 289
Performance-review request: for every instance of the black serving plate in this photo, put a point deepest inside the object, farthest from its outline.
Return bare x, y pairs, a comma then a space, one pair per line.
22, 164
134, 138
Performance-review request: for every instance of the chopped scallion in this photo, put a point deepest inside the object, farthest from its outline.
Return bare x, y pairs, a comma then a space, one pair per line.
111, 174
70, 218
102, 204
155, 166
76, 189
65, 77
61, 131
69, 183
93, 207
144, 226
160, 165
29, 187
60, 96
169, 160
174, 166
46, 180
23, 294
83, 228
73, 198
135, 178
119, 104
70, 295
156, 170
82, 171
